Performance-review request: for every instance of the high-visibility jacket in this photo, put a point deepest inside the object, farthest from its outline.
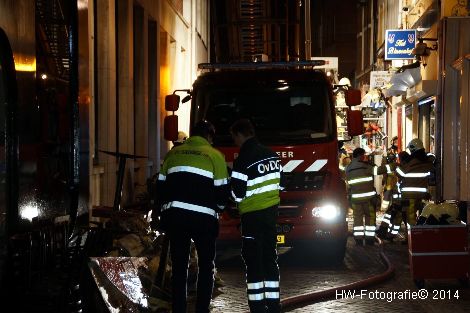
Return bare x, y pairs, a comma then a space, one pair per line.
360, 179
255, 177
414, 177
391, 181
194, 177
389, 189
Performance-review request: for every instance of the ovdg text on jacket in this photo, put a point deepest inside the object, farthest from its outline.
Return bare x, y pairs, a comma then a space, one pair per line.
256, 177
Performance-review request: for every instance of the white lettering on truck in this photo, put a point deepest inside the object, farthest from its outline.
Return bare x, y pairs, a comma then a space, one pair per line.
285, 154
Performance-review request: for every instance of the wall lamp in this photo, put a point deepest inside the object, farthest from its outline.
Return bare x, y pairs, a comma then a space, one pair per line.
422, 48
422, 51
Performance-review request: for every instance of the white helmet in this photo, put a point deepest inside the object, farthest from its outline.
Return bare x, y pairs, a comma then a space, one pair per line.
181, 137
450, 209
415, 145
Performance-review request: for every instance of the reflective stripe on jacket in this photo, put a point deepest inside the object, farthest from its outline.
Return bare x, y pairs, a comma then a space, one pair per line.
194, 177
360, 179
256, 177
414, 178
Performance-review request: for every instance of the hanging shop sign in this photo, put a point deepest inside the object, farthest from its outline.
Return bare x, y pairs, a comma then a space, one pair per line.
380, 79
399, 43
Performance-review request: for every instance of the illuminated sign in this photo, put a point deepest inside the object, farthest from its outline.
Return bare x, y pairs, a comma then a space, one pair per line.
399, 43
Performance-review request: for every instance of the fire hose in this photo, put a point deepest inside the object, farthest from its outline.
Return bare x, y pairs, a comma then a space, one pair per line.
323, 295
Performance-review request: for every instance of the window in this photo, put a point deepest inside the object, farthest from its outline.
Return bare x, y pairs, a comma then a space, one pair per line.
296, 113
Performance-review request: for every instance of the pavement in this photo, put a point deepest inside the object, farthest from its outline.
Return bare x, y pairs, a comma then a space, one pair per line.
300, 275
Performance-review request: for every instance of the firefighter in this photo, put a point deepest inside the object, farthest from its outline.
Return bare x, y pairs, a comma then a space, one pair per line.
414, 178
255, 187
360, 180
390, 182
390, 185
343, 159
393, 146
395, 215
194, 188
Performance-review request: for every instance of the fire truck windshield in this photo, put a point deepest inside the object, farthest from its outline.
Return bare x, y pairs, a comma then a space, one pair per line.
282, 114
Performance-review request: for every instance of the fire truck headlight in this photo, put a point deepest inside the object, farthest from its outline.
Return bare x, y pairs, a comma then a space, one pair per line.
327, 211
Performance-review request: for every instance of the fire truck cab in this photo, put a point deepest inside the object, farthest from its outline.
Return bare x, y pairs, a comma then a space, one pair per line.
293, 110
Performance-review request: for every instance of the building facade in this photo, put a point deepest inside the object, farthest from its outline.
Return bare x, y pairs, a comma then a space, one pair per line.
88, 82
141, 51
425, 91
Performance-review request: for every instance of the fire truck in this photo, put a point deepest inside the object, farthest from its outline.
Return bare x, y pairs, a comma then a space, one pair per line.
291, 105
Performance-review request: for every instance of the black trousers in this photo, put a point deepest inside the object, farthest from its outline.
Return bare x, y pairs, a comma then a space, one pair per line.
260, 256
182, 226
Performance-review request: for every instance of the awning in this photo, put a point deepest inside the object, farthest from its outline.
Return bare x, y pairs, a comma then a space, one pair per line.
424, 89
407, 76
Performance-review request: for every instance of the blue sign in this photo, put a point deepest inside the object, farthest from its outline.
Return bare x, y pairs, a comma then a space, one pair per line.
399, 43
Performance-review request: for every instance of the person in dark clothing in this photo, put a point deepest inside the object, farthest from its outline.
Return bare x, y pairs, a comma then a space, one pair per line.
193, 185
393, 146
255, 187
395, 214
414, 179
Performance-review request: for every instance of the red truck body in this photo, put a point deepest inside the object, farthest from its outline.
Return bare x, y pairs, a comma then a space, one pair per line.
293, 113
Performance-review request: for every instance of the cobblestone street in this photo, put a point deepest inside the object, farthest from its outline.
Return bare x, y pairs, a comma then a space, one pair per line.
300, 275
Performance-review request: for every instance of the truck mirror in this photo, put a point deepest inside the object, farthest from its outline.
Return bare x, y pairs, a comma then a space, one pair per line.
172, 102
353, 97
170, 127
355, 123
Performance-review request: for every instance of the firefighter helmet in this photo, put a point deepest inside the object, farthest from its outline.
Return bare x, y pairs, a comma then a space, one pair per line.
430, 209
415, 145
181, 137
449, 212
